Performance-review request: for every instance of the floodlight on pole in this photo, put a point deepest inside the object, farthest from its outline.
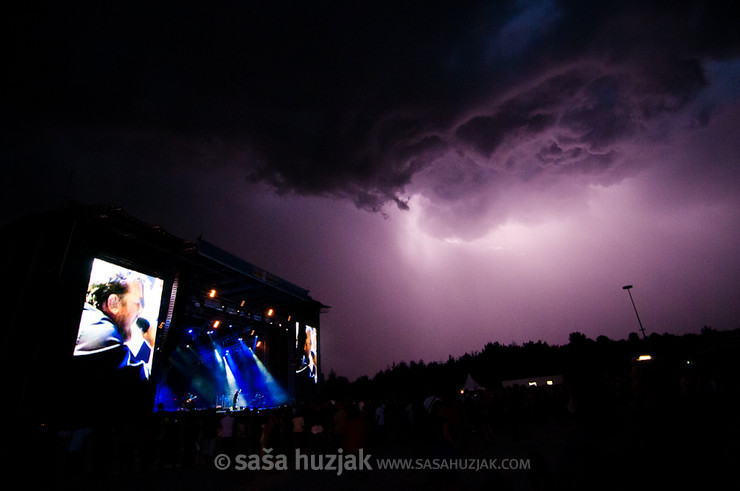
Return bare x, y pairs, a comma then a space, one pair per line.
642, 329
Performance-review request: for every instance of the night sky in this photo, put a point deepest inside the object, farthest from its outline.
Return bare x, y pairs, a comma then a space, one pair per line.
443, 175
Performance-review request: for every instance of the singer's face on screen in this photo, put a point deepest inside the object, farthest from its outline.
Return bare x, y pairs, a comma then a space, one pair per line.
307, 346
125, 309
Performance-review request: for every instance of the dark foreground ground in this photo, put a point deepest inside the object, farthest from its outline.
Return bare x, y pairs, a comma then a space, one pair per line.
616, 446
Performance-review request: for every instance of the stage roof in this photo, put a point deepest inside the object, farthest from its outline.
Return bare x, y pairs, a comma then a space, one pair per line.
108, 229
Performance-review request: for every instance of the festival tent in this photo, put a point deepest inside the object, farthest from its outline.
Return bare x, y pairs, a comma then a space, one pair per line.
471, 385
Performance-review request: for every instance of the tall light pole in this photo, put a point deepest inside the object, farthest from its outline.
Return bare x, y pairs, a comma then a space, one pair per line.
642, 329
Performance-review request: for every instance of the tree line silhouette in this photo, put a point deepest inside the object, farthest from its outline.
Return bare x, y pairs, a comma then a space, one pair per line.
708, 356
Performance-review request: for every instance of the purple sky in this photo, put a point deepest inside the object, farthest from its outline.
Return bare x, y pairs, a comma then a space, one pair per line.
441, 176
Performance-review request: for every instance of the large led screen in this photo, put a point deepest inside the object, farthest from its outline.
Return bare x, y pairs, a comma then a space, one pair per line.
310, 357
118, 324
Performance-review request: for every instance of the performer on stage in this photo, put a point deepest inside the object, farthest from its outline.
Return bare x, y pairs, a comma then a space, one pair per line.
189, 401
236, 396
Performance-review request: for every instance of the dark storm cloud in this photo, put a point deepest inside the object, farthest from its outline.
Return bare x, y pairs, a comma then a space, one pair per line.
356, 100
486, 133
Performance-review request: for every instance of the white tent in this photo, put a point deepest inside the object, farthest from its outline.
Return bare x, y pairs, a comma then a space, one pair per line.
471, 384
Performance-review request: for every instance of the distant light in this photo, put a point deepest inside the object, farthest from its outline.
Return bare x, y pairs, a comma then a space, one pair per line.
533, 384
242, 304
216, 323
462, 391
259, 343
212, 293
549, 382
190, 331
644, 358
269, 313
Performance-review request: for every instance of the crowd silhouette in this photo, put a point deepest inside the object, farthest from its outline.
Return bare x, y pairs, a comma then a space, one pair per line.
651, 424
